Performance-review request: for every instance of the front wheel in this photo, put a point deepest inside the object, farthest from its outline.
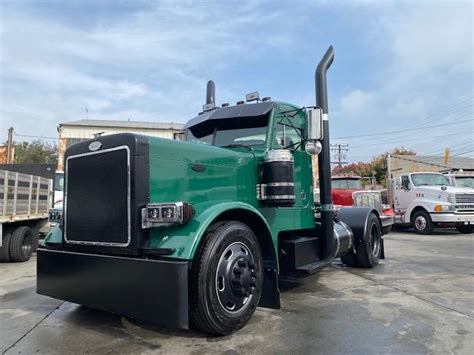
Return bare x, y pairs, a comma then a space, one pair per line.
421, 222
226, 280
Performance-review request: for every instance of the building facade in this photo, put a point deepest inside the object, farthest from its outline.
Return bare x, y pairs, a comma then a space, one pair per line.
77, 131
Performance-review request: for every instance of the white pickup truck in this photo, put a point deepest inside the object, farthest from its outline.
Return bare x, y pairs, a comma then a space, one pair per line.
428, 200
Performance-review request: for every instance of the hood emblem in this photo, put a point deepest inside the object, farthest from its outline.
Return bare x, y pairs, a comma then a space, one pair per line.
95, 145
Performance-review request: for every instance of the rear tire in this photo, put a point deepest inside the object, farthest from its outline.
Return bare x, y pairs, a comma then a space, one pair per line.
21, 244
465, 229
5, 248
226, 280
421, 222
369, 250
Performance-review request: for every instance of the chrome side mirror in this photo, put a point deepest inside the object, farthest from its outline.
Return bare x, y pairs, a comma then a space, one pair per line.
315, 124
315, 131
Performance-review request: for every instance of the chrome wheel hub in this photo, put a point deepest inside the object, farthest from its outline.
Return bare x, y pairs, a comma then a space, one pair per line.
236, 277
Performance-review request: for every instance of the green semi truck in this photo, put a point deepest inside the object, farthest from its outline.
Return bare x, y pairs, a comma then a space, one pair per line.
196, 233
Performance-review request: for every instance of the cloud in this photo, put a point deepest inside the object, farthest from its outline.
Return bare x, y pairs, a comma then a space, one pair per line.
355, 103
398, 64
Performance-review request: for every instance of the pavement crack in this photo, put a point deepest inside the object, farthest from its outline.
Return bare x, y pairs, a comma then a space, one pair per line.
411, 294
32, 328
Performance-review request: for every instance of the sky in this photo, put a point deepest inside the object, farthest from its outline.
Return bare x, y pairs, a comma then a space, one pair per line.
402, 74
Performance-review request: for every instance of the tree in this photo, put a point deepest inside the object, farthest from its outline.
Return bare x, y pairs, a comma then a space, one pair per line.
377, 167
36, 152
379, 164
360, 168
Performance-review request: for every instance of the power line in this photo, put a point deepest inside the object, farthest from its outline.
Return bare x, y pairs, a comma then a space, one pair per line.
29, 136
408, 140
405, 130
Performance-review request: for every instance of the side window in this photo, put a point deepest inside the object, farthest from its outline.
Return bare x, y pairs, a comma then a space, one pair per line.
288, 137
405, 183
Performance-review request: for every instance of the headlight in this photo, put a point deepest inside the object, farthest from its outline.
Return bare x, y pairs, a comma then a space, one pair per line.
442, 208
164, 214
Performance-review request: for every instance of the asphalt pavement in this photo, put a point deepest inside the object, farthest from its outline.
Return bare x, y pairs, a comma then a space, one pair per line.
420, 300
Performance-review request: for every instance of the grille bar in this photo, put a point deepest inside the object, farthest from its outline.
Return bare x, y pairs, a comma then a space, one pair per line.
97, 198
464, 198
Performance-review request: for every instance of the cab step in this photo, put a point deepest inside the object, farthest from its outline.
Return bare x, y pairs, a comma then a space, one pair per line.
313, 267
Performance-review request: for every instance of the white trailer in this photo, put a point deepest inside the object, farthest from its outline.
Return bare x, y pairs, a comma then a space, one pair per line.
426, 200
24, 204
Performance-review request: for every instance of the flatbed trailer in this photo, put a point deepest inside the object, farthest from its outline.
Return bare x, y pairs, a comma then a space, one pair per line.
24, 204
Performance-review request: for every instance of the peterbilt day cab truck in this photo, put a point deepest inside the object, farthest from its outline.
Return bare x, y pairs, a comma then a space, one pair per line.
427, 200
196, 233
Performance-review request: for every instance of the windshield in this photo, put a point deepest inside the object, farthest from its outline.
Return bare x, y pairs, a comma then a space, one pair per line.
465, 181
346, 184
429, 180
228, 132
59, 182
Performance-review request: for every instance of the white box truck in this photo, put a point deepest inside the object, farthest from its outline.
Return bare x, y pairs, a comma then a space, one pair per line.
24, 203
427, 200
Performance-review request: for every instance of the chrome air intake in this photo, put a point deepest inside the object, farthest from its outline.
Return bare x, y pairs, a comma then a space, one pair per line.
277, 186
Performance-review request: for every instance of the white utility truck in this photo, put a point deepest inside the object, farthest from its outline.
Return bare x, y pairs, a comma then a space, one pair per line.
427, 200
24, 203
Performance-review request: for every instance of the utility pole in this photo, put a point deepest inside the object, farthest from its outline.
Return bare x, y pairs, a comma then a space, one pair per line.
339, 153
10, 145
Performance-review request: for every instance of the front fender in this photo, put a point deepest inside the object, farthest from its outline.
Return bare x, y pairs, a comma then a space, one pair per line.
185, 239
427, 205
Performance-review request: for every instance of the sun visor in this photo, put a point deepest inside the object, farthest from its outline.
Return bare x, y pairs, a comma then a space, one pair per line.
232, 112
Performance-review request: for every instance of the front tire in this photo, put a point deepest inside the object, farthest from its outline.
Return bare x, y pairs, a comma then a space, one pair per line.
421, 222
226, 280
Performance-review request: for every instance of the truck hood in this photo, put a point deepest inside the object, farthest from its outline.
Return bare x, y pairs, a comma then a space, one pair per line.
449, 189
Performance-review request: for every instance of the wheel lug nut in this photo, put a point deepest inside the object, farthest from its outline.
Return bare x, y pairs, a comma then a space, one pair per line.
252, 290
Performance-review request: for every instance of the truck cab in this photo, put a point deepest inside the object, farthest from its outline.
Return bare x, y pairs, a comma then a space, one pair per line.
428, 199
348, 190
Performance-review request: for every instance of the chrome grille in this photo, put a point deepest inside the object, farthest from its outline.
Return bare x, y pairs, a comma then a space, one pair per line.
464, 198
367, 199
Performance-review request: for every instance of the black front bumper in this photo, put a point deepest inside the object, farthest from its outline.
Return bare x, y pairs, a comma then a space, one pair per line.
151, 290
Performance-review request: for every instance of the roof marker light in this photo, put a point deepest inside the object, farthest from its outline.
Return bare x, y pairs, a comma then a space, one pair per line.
253, 96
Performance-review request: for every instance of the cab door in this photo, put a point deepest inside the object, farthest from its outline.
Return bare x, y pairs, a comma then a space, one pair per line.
403, 196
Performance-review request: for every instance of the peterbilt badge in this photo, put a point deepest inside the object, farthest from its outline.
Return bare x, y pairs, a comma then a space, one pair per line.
95, 145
